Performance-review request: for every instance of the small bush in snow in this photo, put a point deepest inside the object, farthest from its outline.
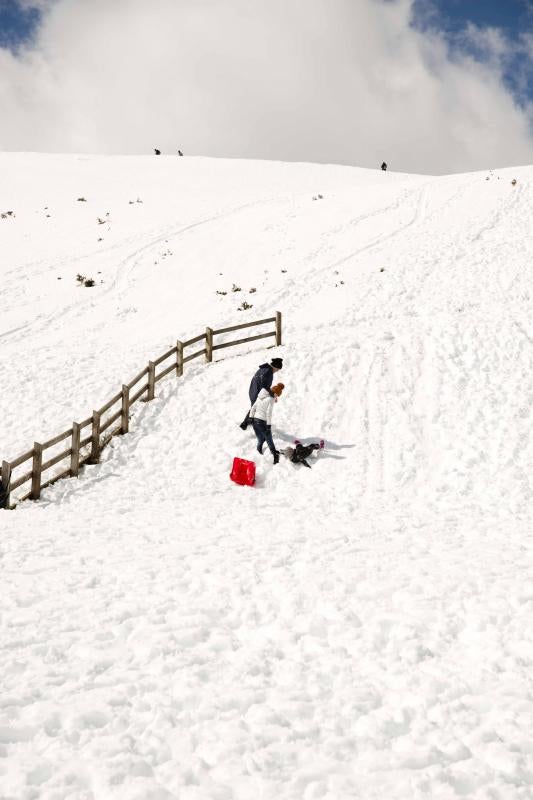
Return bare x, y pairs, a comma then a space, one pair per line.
80, 278
244, 306
235, 288
82, 200
88, 282
253, 290
219, 292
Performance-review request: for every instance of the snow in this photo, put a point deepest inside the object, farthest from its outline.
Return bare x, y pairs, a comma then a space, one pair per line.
361, 629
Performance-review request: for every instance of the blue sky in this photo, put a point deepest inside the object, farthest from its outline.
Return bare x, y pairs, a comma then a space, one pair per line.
512, 15
513, 18
17, 24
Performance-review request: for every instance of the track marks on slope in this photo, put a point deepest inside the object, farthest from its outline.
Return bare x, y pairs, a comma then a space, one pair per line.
125, 269
443, 412
394, 447
317, 277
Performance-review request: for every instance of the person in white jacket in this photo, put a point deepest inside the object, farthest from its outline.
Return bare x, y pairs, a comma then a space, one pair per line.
261, 416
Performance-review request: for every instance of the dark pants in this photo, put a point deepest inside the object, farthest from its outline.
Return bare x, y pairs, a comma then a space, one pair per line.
247, 420
264, 434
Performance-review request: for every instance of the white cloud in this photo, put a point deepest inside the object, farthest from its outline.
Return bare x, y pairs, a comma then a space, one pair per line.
317, 80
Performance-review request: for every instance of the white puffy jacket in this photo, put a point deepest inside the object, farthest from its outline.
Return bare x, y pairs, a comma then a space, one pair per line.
262, 408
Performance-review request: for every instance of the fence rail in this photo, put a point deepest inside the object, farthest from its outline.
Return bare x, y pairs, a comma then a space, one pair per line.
86, 449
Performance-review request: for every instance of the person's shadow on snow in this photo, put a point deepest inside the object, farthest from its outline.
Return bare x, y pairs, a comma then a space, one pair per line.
328, 445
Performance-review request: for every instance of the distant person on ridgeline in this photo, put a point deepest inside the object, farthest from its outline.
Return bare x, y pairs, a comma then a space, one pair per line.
180, 153
384, 166
261, 380
157, 152
261, 417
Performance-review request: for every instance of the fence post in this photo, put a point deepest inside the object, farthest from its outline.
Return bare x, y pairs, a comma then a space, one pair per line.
278, 328
125, 419
208, 344
179, 359
95, 439
6, 480
151, 382
36, 471
75, 455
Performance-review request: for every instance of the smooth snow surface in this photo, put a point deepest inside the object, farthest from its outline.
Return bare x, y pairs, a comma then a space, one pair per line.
363, 629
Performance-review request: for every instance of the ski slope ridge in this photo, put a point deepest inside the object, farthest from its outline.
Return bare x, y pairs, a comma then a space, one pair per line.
360, 629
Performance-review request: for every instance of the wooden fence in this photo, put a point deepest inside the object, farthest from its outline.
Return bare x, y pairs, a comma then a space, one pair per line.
88, 437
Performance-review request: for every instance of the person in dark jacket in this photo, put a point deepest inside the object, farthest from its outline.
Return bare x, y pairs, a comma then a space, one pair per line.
261, 380
384, 166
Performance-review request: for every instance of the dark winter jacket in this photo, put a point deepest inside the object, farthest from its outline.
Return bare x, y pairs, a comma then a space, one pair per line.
300, 453
261, 380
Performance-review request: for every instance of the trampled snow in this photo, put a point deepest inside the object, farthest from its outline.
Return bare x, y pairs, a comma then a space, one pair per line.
362, 629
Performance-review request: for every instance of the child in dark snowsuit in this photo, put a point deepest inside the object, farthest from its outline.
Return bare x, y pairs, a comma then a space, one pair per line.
261, 380
300, 453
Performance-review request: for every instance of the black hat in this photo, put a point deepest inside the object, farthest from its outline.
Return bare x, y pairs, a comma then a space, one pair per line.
277, 363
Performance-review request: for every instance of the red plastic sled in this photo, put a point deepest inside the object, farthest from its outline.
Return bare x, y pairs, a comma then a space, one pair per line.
243, 472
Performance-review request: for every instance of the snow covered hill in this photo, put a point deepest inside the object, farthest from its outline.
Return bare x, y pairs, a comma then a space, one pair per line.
361, 629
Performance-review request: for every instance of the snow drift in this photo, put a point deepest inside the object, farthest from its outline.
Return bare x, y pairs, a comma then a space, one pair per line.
359, 629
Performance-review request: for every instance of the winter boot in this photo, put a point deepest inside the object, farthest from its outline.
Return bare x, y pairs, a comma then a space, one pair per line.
276, 457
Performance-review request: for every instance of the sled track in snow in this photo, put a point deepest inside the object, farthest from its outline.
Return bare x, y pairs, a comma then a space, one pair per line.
318, 276
124, 269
